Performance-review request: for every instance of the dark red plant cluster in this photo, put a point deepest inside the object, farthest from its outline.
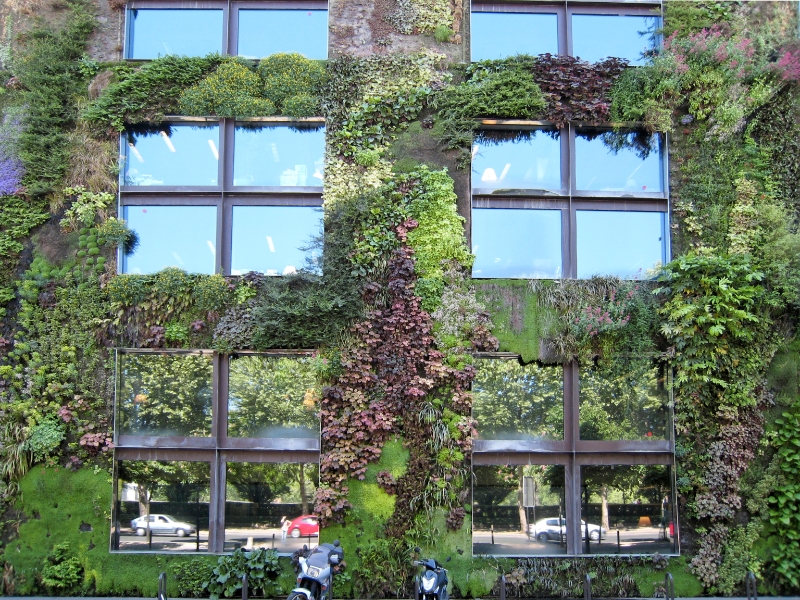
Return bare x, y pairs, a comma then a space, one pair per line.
576, 90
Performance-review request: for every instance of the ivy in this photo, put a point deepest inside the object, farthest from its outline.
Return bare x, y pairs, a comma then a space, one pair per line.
784, 511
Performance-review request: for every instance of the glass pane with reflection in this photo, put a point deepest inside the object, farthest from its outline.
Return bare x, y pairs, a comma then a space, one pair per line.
186, 155
512, 160
186, 32
172, 236
161, 506
278, 156
618, 162
498, 35
624, 400
623, 36
272, 396
518, 402
164, 395
268, 239
523, 505
628, 509
270, 505
512, 243
629, 245
265, 32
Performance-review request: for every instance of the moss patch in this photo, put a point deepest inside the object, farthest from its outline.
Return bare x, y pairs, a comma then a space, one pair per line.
394, 459
686, 584
516, 316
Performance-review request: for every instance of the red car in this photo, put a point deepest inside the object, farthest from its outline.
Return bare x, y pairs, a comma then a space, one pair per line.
304, 525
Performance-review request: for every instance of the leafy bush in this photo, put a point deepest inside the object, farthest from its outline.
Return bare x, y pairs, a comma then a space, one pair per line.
61, 572
193, 577
233, 90
261, 567
45, 437
286, 76
86, 207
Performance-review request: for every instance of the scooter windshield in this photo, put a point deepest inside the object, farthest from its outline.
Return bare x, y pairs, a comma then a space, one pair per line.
319, 557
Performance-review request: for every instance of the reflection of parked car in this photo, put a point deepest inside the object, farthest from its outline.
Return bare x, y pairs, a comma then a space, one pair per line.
552, 529
162, 525
304, 525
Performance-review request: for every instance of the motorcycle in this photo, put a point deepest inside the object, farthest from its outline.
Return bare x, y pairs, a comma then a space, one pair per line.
432, 584
315, 580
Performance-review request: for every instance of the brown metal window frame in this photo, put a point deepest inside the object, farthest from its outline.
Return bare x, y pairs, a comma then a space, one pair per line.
230, 16
217, 449
224, 196
573, 453
569, 201
564, 11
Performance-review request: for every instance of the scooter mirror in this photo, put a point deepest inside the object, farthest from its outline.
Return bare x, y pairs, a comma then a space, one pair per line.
305, 548
336, 543
334, 559
417, 549
448, 559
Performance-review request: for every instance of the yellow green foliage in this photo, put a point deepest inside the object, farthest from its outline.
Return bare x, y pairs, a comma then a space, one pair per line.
232, 90
291, 82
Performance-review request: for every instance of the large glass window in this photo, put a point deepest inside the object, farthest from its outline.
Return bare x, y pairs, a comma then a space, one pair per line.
162, 506
174, 155
518, 402
618, 162
629, 245
171, 236
628, 509
271, 505
271, 396
516, 160
496, 35
515, 243
623, 36
187, 32
518, 510
285, 156
164, 394
265, 32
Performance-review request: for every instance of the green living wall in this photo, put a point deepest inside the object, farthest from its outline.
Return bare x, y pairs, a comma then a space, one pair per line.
394, 316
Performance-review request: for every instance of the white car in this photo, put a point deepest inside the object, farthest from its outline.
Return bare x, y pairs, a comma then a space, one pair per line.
552, 529
162, 525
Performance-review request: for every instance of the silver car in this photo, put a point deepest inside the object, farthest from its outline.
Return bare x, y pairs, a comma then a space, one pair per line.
162, 525
552, 529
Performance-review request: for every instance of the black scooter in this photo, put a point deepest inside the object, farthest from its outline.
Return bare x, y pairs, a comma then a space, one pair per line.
315, 580
432, 584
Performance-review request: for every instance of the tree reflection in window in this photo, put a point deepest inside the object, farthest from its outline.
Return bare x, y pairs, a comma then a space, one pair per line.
166, 395
624, 400
272, 397
518, 402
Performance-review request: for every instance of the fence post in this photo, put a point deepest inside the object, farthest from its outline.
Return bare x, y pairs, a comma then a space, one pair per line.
587, 587
244, 586
669, 586
618, 541
750, 585
162, 586
502, 587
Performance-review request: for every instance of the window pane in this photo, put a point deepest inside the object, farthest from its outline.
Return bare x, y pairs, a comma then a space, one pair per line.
278, 156
162, 506
516, 243
272, 397
632, 504
508, 160
172, 236
516, 402
173, 155
523, 505
268, 239
164, 395
628, 37
265, 32
187, 32
498, 35
261, 497
610, 162
625, 244
624, 400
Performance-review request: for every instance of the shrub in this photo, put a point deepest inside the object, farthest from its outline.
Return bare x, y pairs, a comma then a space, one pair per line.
301, 105
232, 90
45, 438
61, 572
288, 75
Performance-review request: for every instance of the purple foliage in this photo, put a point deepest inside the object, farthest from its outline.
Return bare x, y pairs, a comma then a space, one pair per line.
11, 169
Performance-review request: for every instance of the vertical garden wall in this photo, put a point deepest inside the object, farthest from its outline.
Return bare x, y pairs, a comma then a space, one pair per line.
388, 385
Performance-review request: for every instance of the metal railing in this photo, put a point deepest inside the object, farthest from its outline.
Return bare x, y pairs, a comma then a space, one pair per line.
162, 586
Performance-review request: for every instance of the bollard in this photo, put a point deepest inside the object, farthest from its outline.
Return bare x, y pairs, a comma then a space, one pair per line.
503, 587
750, 584
244, 586
492, 528
669, 587
162, 586
273, 541
587, 587
416, 588
588, 550
618, 541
